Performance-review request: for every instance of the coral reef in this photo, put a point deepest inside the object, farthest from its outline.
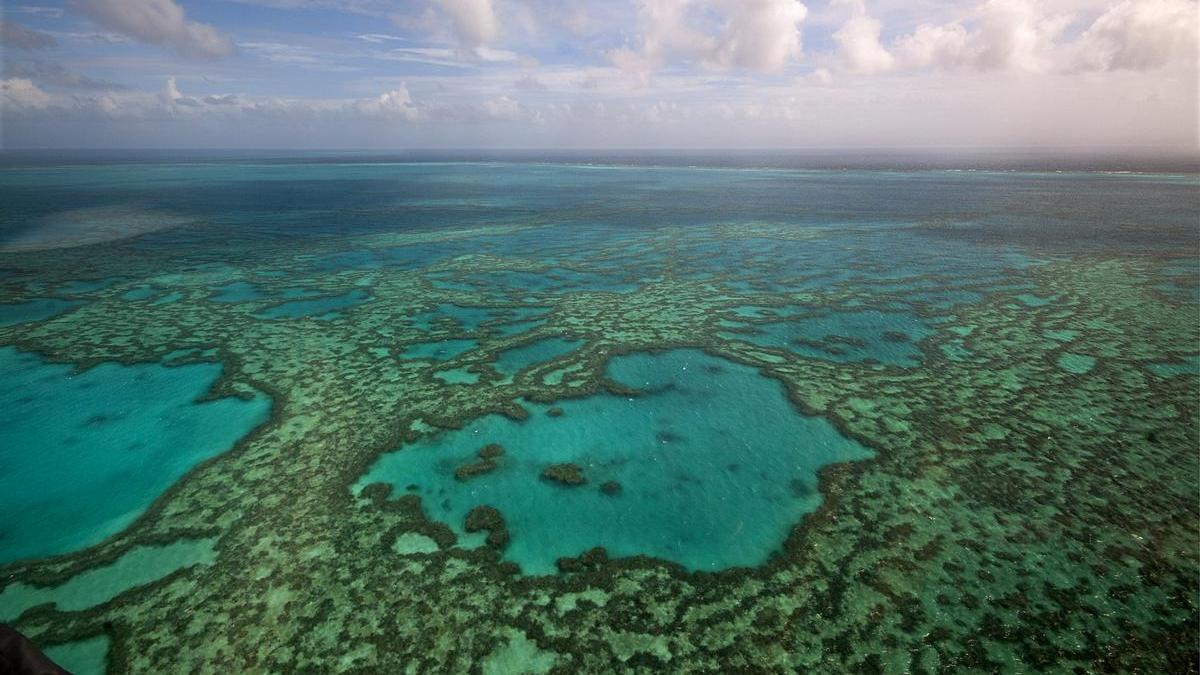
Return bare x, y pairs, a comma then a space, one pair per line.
488, 518
565, 473
1025, 509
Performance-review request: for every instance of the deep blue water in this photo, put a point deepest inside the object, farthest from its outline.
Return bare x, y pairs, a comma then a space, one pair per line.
223, 201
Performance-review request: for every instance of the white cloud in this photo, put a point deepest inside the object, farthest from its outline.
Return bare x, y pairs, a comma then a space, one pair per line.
171, 97
1004, 35
38, 10
158, 22
474, 21
379, 38
20, 94
1002, 72
944, 46
395, 104
756, 35
1024, 36
1015, 34
1140, 35
502, 108
858, 42
762, 35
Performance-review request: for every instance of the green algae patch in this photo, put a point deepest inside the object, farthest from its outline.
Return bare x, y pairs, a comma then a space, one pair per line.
518, 654
141, 566
440, 350
1030, 300
1061, 335
1078, 364
457, 376
412, 542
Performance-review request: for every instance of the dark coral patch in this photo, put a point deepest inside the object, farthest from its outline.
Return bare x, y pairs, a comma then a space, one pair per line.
468, 471
488, 518
592, 559
566, 473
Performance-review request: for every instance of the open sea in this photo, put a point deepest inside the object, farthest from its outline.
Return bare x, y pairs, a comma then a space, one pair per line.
517, 413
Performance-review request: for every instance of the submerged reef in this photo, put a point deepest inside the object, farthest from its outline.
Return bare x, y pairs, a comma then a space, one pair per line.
488, 518
1028, 504
566, 473
485, 464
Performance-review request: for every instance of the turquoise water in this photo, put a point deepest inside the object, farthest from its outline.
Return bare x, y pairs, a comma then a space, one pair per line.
84, 657
321, 308
85, 287
517, 327
512, 361
238, 291
1018, 349
136, 568
467, 318
38, 309
139, 293
85, 453
440, 350
1190, 365
174, 296
885, 337
714, 464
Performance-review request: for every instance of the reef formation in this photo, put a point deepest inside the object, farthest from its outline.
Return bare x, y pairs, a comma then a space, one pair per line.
1028, 503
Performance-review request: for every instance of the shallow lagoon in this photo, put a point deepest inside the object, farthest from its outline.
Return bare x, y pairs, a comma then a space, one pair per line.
713, 463
86, 453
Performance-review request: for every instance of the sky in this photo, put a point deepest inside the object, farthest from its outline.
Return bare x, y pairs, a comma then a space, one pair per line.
390, 74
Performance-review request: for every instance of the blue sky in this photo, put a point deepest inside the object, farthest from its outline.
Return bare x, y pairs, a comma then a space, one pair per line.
571, 73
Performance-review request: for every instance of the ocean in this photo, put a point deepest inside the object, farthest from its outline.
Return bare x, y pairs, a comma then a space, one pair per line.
525, 412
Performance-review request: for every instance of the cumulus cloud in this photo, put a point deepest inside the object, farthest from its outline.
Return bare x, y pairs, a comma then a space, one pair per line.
158, 22
1015, 34
756, 35
1003, 35
20, 94
945, 46
395, 104
761, 35
171, 97
474, 21
16, 36
858, 42
1140, 35
1023, 36
995, 72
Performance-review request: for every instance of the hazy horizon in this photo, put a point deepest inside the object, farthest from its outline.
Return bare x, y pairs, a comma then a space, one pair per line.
650, 74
